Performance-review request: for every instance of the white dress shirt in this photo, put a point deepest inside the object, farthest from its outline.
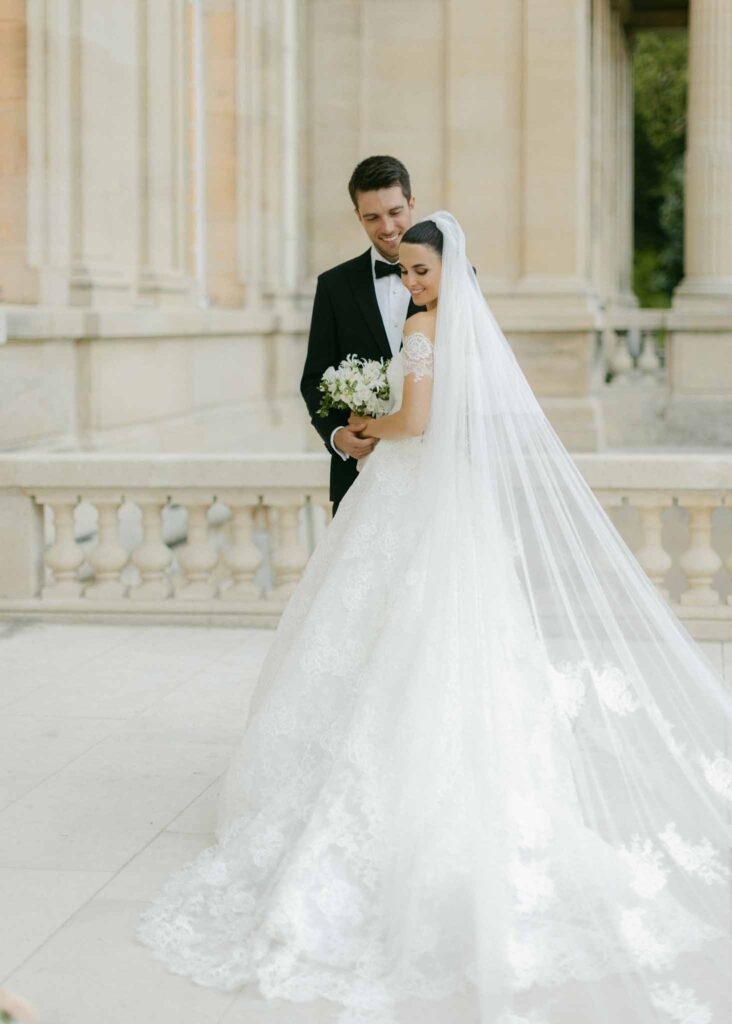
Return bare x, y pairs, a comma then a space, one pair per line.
393, 300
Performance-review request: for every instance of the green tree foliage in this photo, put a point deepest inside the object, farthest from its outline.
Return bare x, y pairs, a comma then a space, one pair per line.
660, 75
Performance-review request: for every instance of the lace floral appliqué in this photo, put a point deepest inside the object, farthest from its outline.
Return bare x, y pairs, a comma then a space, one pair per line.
568, 691
718, 773
665, 729
646, 948
646, 865
614, 691
418, 355
534, 889
680, 1004
702, 860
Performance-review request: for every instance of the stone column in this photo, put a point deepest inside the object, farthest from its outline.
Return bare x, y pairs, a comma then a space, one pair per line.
552, 314
164, 272
623, 132
83, 173
223, 62
708, 234
332, 131
700, 359
556, 153
282, 139
612, 158
19, 280
250, 169
52, 135
104, 166
482, 151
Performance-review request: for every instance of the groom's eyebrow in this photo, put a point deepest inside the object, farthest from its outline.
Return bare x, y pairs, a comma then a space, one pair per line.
394, 209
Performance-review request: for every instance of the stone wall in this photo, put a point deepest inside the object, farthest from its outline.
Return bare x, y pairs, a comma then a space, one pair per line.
177, 179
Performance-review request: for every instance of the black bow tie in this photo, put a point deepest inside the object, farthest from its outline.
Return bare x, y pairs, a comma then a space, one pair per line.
383, 269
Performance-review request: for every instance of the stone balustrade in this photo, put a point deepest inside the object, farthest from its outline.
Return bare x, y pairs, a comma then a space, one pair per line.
204, 538
634, 347
167, 537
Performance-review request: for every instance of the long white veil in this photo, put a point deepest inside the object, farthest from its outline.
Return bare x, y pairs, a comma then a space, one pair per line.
484, 778
604, 791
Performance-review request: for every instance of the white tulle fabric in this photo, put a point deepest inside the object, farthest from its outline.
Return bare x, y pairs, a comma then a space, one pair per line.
483, 777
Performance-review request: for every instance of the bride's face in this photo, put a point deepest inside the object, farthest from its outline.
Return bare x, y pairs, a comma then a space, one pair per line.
420, 267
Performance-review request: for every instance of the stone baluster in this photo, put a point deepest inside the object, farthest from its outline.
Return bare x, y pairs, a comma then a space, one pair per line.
649, 362
198, 559
289, 555
620, 361
152, 556
65, 556
652, 555
243, 558
609, 500
700, 561
321, 509
107, 558
22, 543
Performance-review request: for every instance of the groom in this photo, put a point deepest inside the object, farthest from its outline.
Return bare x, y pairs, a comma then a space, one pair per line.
360, 307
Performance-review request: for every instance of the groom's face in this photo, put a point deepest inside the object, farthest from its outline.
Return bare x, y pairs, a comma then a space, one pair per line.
385, 214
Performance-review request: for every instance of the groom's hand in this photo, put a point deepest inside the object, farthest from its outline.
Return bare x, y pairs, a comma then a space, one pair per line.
347, 440
358, 423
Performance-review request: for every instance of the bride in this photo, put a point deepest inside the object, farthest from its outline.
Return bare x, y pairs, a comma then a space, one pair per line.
480, 780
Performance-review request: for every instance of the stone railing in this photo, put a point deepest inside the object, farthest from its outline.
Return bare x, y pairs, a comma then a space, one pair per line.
633, 347
220, 539
168, 537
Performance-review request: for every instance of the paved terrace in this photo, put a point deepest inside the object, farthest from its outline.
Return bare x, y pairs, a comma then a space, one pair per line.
112, 741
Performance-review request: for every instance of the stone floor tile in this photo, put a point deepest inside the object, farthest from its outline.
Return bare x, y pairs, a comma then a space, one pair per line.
199, 817
141, 877
93, 971
35, 904
97, 813
33, 747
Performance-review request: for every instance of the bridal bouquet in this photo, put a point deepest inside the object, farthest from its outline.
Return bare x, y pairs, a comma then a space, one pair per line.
357, 384
15, 1008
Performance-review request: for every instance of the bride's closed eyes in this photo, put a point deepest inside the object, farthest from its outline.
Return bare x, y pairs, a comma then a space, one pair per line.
419, 268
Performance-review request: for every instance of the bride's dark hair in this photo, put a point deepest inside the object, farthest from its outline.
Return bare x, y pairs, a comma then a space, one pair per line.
424, 232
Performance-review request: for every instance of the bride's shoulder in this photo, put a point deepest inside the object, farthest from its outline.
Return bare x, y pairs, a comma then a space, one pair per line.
421, 323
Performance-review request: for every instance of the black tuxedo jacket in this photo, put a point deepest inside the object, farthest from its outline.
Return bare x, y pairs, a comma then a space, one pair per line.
346, 321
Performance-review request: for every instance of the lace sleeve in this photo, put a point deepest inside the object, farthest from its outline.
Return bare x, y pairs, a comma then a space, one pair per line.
418, 355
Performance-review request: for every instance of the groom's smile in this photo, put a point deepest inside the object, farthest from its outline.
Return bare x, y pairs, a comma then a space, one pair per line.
385, 214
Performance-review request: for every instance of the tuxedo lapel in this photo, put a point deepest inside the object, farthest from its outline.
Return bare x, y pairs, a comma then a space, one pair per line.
362, 283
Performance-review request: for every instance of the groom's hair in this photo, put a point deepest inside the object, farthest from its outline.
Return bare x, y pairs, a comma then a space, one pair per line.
377, 172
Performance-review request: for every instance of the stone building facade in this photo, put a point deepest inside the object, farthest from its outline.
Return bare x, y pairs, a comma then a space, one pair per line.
174, 179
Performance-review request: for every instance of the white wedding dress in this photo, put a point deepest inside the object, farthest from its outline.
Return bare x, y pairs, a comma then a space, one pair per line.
439, 810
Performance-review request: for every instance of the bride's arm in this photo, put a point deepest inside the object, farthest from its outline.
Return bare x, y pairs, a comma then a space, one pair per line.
411, 418
408, 421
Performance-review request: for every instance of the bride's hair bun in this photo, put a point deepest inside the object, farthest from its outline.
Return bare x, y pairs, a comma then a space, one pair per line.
424, 232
